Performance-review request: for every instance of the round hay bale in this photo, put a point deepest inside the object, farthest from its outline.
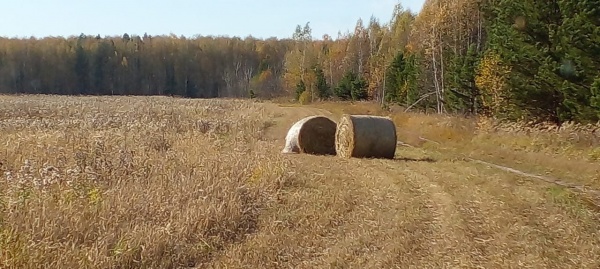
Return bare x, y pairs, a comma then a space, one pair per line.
365, 136
312, 135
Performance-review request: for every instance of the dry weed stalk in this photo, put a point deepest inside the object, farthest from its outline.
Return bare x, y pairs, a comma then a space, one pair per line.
584, 134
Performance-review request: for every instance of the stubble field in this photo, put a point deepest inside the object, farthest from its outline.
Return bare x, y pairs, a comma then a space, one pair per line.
158, 182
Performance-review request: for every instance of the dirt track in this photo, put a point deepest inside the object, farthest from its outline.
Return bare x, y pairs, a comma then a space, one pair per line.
421, 210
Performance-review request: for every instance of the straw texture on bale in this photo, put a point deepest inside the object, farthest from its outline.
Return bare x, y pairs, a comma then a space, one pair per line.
313, 135
365, 136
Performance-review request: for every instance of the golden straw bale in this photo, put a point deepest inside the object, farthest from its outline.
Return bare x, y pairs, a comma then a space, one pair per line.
312, 135
365, 136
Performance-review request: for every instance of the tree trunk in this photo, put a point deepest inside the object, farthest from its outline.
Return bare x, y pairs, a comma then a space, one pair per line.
442, 92
383, 88
435, 73
360, 56
478, 29
330, 72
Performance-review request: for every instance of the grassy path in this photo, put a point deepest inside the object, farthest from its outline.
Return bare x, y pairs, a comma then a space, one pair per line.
422, 210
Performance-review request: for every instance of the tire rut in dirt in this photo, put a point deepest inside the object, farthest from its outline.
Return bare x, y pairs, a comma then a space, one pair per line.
447, 241
326, 208
387, 226
512, 223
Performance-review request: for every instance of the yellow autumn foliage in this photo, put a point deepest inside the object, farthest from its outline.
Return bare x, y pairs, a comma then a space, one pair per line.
305, 97
491, 78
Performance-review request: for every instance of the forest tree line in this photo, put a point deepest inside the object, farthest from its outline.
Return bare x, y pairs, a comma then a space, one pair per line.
532, 60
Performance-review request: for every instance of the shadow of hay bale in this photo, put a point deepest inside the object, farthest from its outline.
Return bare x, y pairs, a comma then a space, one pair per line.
312, 135
404, 159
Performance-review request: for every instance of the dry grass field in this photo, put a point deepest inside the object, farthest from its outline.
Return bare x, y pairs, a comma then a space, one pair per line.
158, 182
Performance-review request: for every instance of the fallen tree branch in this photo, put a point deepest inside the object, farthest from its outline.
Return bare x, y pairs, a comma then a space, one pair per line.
429, 140
543, 178
404, 144
419, 100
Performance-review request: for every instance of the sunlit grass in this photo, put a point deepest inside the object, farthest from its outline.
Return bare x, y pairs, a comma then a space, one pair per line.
131, 181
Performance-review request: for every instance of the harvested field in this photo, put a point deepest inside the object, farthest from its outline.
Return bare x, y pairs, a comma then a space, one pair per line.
157, 182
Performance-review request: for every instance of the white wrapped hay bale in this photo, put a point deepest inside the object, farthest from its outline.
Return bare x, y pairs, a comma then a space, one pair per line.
365, 136
312, 135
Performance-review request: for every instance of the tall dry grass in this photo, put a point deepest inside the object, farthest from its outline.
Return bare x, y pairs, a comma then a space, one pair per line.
578, 140
130, 182
571, 151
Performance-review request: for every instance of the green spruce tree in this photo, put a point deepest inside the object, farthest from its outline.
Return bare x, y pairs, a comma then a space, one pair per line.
321, 85
300, 88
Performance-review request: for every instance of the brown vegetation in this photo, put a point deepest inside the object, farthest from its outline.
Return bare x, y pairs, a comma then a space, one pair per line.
130, 182
156, 182
541, 148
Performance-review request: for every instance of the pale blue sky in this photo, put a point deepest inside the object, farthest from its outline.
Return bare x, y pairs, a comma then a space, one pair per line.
260, 18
